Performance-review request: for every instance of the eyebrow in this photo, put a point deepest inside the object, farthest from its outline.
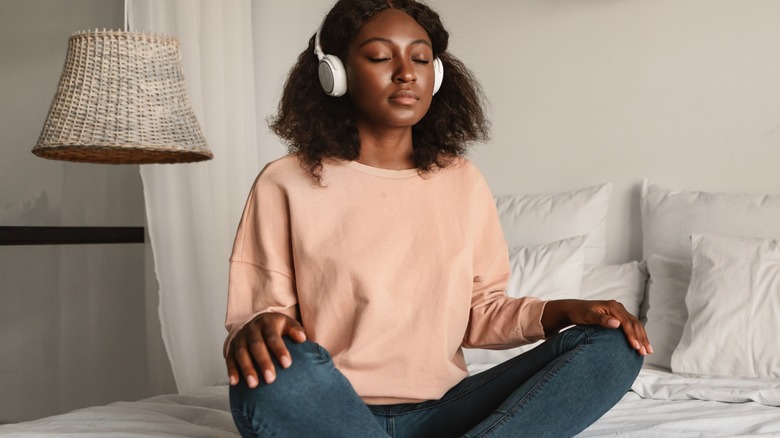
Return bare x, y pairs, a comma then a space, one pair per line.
389, 41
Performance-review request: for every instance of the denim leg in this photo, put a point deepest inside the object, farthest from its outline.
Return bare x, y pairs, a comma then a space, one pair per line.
594, 367
556, 389
309, 399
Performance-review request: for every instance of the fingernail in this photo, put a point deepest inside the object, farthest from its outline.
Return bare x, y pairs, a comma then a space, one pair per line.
636, 345
644, 351
269, 376
251, 381
233, 381
285, 361
650, 349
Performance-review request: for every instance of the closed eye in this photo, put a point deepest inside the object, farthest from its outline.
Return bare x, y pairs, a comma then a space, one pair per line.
377, 60
421, 61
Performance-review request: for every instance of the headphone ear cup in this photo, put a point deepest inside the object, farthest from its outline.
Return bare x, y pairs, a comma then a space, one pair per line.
333, 77
438, 74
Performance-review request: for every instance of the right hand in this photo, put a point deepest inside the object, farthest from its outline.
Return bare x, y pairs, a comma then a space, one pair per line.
257, 340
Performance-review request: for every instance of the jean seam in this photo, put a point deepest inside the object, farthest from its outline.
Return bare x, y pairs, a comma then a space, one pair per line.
536, 388
390, 425
247, 424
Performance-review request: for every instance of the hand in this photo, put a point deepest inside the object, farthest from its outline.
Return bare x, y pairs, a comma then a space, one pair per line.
611, 314
257, 340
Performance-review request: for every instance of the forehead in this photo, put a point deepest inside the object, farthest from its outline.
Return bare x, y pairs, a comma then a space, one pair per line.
391, 24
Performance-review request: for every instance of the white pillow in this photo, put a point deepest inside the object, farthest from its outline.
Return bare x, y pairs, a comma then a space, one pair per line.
547, 272
666, 313
529, 220
669, 217
733, 302
624, 283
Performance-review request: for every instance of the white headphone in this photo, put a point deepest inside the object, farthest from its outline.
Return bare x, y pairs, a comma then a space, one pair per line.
333, 76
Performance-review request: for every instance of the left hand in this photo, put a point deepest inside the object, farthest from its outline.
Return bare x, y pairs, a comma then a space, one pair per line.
611, 314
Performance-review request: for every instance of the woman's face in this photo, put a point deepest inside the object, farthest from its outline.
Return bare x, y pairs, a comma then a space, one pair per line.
390, 71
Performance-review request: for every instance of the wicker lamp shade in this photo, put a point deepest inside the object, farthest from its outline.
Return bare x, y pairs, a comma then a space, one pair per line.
121, 99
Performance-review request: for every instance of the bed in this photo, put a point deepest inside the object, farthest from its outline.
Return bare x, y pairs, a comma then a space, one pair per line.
708, 289
660, 404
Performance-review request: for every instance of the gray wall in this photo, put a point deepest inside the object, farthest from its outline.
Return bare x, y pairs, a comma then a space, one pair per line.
77, 325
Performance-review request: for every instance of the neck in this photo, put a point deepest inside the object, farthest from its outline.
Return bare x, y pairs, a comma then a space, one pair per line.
389, 149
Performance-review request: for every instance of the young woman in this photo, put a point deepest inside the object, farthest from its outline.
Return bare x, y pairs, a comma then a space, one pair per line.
368, 257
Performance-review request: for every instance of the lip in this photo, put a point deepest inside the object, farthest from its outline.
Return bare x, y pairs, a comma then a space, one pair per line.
404, 97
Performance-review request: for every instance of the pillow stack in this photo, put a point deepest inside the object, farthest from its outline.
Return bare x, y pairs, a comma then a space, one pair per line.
714, 288
713, 262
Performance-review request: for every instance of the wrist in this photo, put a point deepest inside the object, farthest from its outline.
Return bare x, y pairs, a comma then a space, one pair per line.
556, 315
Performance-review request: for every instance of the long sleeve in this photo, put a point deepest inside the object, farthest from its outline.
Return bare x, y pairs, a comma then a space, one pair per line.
496, 320
261, 271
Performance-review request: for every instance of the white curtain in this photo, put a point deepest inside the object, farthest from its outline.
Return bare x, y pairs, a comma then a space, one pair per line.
235, 56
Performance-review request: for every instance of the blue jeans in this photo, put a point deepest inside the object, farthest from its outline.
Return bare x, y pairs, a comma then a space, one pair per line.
556, 390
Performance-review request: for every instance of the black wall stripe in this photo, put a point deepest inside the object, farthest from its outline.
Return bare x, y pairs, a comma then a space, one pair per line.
69, 235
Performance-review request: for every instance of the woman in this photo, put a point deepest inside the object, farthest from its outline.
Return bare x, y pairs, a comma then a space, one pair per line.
372, 253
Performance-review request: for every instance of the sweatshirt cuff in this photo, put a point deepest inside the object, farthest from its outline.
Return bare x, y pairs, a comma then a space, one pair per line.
533, 329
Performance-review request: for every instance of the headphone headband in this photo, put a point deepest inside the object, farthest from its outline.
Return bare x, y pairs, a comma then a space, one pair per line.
317, 47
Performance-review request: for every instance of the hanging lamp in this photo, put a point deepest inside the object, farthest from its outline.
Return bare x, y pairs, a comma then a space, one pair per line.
122, 99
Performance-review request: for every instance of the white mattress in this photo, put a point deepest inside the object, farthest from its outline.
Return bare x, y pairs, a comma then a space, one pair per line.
659, 405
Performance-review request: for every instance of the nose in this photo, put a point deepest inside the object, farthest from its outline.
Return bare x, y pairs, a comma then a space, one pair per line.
404, 71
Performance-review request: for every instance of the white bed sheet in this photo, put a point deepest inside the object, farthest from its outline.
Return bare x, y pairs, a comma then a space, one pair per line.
204, 413
663, 385
660, 405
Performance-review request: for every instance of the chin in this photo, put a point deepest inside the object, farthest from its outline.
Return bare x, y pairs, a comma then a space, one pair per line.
409, 119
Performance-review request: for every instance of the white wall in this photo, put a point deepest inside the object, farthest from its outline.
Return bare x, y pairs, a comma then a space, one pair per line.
77, 326
685, 92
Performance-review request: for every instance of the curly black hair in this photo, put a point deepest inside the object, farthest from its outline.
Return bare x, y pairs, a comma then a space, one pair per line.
318, 126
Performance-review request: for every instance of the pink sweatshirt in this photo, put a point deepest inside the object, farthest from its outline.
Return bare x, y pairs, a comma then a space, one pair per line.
390, 271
